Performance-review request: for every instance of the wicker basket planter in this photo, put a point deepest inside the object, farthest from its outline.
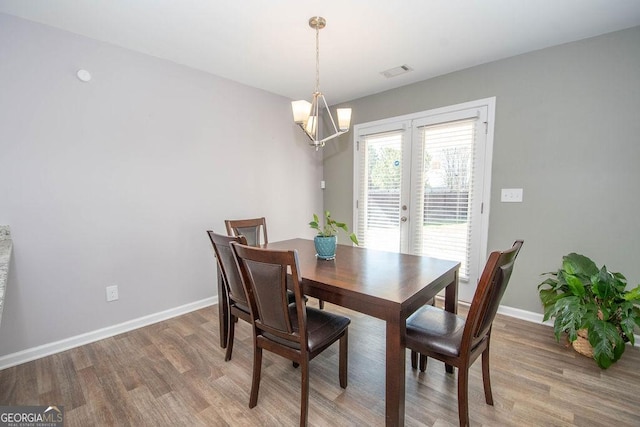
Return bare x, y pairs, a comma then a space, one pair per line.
581, 294
582, 345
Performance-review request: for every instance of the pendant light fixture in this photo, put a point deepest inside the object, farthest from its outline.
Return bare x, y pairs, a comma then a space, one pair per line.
307, 114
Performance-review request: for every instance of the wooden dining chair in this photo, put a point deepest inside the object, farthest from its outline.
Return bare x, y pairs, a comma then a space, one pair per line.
296, 332
236, 300
434, 332
253, 229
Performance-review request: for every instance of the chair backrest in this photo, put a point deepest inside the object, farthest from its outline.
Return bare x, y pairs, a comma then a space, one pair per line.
491, 287
264, 275
253, 229
227, 263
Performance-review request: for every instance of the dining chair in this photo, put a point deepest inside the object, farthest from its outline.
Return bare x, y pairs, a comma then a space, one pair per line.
436, 333
296, 332
254, 229
238, 306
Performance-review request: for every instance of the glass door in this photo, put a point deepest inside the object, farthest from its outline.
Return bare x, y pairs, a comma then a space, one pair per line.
420, 188
382, 199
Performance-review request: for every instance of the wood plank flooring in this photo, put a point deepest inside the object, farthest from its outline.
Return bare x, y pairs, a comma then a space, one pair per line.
173, 373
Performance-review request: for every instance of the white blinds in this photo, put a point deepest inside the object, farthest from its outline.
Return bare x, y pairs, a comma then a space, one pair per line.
380, 169
444, 191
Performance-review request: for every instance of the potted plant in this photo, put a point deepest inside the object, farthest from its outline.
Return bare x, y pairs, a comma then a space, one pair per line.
327, 239
585, 299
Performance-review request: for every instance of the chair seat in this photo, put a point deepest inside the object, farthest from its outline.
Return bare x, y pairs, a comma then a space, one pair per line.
436, 330
322, 327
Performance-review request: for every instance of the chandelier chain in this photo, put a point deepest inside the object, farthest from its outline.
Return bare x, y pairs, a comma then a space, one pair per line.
317, 58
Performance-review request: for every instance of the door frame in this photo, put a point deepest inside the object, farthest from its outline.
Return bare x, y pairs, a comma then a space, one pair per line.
465, 292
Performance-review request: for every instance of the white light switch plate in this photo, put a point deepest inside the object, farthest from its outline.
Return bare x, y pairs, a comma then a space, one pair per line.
511, 195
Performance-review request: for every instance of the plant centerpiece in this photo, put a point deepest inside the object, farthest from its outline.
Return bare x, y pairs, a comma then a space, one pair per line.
585, 299
327, 237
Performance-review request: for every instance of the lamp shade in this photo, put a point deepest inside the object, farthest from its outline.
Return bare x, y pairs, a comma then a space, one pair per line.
344, 119
301, 110
311, 125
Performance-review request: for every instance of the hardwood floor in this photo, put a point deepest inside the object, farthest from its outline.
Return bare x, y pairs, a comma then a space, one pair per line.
173, 373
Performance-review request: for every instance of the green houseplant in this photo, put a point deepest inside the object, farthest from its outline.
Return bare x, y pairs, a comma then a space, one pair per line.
326, 239
580, 296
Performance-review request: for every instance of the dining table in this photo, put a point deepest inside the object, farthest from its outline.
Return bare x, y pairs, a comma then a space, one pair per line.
386, 285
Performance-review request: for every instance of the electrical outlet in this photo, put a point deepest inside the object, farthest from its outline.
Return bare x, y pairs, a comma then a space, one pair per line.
112, 293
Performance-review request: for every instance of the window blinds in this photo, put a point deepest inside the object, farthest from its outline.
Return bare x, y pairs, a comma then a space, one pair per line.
444, 191
380, 169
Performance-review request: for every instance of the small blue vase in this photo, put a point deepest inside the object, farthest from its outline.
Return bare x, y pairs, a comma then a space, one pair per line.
326, 246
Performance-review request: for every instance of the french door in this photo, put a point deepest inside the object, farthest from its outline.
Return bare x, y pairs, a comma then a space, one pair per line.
422, 185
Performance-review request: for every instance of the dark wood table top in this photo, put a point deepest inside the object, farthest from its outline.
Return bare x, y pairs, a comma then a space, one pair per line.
370, 281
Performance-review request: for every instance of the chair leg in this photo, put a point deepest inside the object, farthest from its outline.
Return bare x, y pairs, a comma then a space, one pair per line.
463, 393
231, 327
414, 359
255, 381
304, 398
486, 379
423, 363
344, 358
321, 304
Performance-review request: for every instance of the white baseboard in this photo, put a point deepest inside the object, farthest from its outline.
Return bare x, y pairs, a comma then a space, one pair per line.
530, 316
537, 318
523, 314
68, 343
89, 337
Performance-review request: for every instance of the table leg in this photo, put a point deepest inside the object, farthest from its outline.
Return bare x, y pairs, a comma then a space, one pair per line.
223, 310
451, 305
395, 373
451, 296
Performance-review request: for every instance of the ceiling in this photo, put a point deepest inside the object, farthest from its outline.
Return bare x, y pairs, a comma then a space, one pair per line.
269, 45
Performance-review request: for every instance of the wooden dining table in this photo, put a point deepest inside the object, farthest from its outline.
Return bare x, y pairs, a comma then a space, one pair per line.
386, 285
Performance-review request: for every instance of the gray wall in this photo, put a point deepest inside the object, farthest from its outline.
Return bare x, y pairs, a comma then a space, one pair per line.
567, 131
115, 181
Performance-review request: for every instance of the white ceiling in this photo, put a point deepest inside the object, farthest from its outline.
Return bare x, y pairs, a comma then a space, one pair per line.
269, 45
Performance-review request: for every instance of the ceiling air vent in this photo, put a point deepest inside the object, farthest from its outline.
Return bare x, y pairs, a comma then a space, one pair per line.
393, 72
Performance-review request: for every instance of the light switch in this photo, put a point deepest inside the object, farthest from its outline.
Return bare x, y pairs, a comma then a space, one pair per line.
511, 195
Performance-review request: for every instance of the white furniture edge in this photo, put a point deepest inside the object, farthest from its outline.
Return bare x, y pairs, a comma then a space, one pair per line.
55, 347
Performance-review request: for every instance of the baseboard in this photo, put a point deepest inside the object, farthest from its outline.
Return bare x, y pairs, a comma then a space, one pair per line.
523, 314
511, 312
537, 318
530, 316
89, 337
